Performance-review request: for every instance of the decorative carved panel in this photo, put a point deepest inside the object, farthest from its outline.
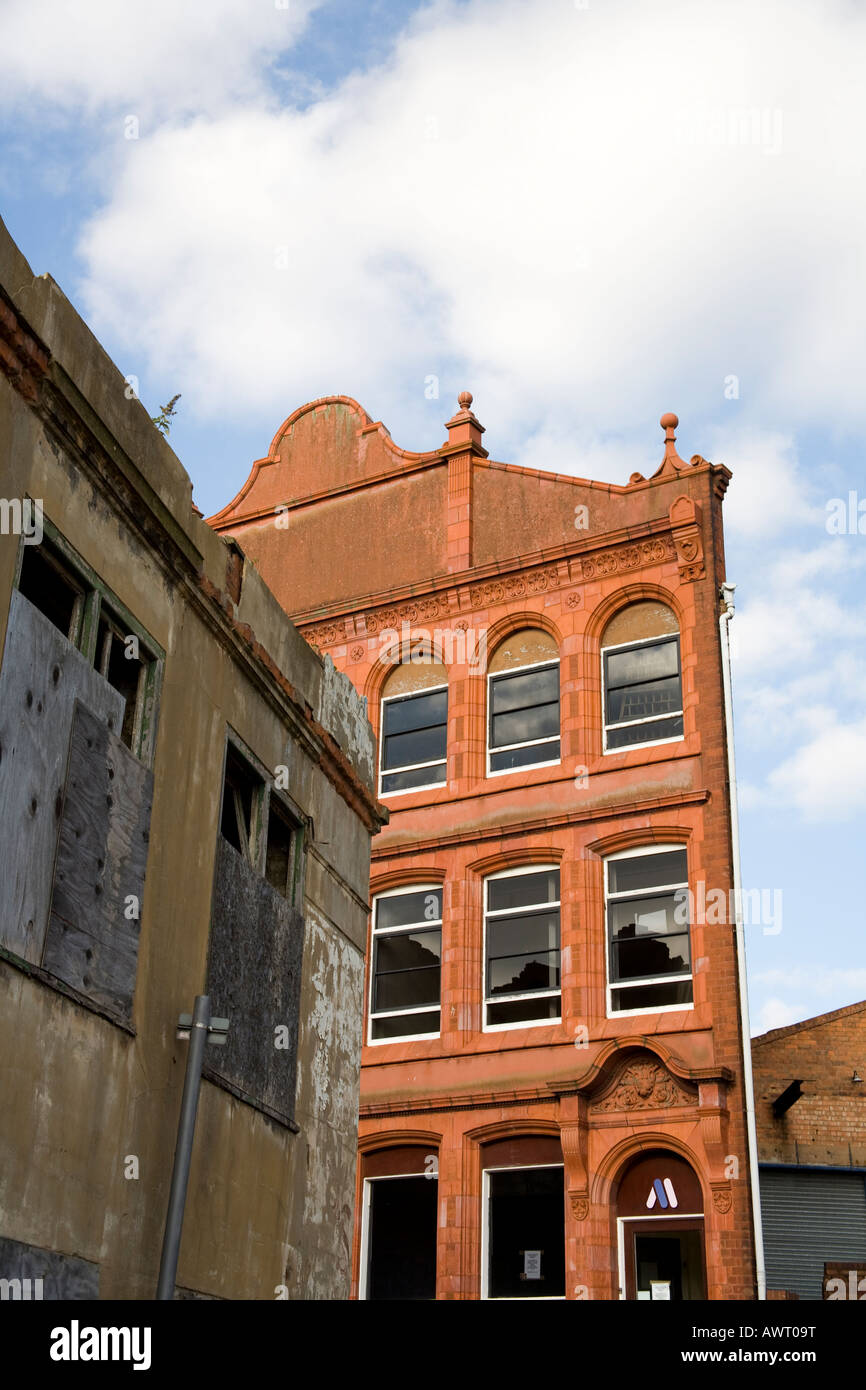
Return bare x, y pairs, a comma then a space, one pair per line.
644, 1085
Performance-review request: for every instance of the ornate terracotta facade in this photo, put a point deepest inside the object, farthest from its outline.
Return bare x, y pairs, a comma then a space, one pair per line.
366, 545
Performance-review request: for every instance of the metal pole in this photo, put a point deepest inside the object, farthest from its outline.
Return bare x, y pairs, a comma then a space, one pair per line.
183, 1152
726, 593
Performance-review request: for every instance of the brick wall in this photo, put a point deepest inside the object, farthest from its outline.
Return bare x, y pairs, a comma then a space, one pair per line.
828, 1123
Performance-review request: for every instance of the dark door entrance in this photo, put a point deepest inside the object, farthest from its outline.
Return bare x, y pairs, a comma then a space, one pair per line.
401, 1238
664, 1261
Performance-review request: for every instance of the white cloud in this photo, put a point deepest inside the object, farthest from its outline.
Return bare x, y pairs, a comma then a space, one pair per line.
775, 1013
563, 203
154, 59
825, 779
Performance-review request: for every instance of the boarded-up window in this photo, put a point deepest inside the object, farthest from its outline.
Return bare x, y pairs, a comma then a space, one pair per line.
257, 937
92, 939
41, 678
254, 980
33, 1274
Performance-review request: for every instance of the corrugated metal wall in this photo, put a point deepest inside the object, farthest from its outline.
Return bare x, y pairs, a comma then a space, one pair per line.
810, 1217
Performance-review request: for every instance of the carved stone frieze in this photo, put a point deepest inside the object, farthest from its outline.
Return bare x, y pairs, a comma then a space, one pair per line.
644, 1085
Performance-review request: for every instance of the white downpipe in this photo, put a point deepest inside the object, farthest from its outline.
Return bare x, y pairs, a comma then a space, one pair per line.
726, 593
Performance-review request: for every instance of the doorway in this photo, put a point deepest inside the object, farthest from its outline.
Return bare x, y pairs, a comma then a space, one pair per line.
664, 1261
399, 1231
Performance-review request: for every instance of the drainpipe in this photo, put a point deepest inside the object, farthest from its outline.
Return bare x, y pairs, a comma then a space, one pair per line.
726, 593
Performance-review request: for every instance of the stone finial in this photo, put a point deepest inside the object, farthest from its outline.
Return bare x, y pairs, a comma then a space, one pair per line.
671, 463
464, 400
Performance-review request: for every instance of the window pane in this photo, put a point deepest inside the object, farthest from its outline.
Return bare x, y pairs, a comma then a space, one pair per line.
649, 916
523, 725
423, 746
639, 664
647, 871
525, 757
519, 974
511, 936
415, 712
50, 590
642, 958
407, 970
528, 1010
405, 908
525, 690
278, 855
418, 777
652, 996
527, 1213
644, 701
521, 890
404, 1025
645, 733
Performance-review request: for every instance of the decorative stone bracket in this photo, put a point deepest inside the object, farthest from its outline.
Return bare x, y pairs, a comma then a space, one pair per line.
685, 519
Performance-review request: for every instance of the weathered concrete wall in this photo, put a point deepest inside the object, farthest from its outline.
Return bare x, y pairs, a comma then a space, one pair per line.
81, 1095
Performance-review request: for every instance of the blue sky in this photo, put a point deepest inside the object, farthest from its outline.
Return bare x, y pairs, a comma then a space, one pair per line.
587, 214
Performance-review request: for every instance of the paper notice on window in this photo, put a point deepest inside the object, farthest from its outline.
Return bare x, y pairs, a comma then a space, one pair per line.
660, 1288
532, 1264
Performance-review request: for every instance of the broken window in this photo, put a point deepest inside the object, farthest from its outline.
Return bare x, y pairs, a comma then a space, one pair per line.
60, 584
52, 588
649, 958
78, 688
521, 948
406, 964
257, 935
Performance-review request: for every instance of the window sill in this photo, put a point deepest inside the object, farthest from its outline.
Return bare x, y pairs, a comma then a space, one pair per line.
36, 972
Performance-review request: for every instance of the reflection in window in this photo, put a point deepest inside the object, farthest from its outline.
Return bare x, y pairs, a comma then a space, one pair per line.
642, 677
406, 961
414, 733
649, 958
521, 967
524, 702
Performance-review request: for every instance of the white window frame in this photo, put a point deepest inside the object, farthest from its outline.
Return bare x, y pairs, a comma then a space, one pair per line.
528, 743
528, 994
648, 719
641, 852
485, 1234
366, 1206
396, 931
410, 767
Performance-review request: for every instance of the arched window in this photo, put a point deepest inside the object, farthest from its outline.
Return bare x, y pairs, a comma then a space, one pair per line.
414, 727
642, 677
523, 701
405, 964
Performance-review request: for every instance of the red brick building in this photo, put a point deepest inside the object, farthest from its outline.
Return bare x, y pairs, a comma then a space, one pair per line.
810, 1103
553, 1074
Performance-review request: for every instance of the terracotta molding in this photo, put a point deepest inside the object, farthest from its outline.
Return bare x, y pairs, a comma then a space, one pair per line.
634, 839
531, 855
396, 1138
501, 832
404, 878
453, 593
